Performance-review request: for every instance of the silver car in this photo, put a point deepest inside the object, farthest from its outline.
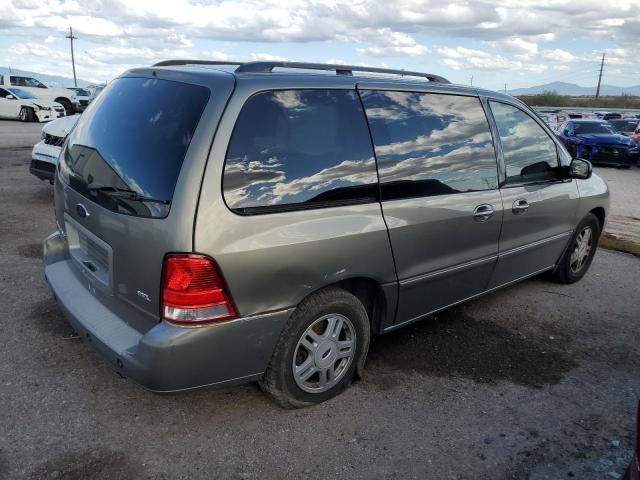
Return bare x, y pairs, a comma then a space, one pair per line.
261, 221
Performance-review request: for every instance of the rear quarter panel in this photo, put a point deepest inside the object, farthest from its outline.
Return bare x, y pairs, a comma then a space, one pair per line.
273, 261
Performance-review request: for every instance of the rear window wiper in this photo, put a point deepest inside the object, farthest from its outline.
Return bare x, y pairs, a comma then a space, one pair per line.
124, 193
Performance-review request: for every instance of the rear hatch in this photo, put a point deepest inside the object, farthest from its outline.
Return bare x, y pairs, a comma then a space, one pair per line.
129, 177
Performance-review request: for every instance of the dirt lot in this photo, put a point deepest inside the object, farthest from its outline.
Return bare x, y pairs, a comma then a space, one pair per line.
536, 381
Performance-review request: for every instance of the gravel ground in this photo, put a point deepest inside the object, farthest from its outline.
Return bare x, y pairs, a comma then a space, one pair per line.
536, 381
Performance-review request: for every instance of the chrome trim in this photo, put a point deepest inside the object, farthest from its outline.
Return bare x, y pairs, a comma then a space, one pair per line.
420, 317
537, 243
444, 271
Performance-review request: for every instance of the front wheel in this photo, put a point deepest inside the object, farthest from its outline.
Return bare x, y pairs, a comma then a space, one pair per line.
579, 254
26, 114
320, 347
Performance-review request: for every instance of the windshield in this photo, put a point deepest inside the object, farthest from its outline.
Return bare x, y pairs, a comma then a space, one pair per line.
81, 91
593, 127
127, 148
625, 125
21, 93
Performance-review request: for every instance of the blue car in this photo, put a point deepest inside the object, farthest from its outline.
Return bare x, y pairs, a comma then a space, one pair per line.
599, 142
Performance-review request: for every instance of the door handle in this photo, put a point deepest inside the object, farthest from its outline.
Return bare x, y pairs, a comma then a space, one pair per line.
483, 212
519, 206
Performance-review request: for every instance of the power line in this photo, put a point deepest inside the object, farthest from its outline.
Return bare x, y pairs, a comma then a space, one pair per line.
73, 61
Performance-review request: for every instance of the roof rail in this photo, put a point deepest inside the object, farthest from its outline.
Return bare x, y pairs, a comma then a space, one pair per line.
172, 63
267, 67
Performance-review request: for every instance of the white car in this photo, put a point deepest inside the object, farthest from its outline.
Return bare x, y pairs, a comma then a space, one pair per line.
64, 97
44, 156
16, 103
83, 95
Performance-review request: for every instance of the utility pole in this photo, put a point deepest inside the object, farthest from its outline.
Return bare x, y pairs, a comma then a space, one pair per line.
600, 77
471, 81
73, 61
505, 88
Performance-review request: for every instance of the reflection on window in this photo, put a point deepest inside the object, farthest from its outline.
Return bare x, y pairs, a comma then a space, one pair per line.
529, 153
299, 147
430, 144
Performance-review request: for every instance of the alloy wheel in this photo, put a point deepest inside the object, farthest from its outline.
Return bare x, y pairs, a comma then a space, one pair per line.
581, 249
324, 353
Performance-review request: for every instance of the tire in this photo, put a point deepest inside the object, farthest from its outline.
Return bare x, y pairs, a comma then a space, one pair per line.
313, 317
26, 114
68, 108
572, 268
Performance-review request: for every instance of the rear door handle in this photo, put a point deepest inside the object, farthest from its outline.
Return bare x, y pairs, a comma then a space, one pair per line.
519, 206
483, 212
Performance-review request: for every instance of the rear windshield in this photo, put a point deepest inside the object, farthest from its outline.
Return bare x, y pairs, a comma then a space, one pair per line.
585, 128
126, 150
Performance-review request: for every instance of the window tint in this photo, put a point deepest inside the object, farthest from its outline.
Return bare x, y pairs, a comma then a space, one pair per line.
134, 137
430, 144
297, 149
529, 153
4, 93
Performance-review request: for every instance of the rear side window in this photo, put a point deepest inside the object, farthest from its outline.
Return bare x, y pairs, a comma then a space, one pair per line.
127, 148
529, 153
430, 144
293, 149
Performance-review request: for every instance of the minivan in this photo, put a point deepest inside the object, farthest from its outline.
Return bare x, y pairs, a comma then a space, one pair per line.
222, 223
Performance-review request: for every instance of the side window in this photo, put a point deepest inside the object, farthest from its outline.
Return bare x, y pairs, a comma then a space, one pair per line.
299, 149
18, 81
529, 153
430, 144
4, 93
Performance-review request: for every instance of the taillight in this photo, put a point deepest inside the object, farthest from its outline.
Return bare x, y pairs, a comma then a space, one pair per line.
193, 291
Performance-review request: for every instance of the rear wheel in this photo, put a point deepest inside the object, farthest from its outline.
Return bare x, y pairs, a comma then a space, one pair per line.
319, 349
26, 114
582, 248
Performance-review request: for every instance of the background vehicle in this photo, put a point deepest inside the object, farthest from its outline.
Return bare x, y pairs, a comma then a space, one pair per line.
83, 97
629, 127
224, 226
599, 142
63, 96
45, 153
16, 103
611, 116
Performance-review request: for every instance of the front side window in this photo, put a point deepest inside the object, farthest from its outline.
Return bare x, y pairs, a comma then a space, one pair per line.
530, 155
430, 144
4, 93
295, 149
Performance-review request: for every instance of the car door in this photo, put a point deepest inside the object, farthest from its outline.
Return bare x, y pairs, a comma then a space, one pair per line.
9, 107
439, 194
539, 206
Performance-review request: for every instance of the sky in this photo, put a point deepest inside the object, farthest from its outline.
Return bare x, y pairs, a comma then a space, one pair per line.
491, 43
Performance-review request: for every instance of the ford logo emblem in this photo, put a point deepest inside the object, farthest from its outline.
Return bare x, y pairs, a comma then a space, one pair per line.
82, 211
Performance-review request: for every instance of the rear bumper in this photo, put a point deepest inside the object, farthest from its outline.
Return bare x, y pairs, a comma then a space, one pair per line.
165, 358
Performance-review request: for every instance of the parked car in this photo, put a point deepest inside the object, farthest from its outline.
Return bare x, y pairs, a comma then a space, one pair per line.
16, 103
599, 142
220, 226
633, 472
83, 96
629, 127
45, 153
64, 97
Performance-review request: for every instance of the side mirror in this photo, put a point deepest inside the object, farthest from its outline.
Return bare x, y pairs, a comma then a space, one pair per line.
580, 169
10, 97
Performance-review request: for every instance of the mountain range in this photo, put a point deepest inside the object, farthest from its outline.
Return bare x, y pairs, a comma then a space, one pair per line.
51, 80
563, 88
